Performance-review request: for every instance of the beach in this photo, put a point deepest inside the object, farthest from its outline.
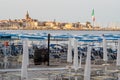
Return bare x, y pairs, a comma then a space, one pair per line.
59, 68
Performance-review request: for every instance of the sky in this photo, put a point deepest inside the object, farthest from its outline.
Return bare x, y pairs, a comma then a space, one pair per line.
106, 11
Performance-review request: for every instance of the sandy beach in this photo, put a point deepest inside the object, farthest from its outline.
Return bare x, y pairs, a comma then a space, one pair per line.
56, 71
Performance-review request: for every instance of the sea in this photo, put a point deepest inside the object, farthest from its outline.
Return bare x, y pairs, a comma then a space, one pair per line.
55, 32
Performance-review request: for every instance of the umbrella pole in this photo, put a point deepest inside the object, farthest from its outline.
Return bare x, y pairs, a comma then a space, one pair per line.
48, 49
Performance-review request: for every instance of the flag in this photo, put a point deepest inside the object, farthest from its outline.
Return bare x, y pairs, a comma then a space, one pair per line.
93, 15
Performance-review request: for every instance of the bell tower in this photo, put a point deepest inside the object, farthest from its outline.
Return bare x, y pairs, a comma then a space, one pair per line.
27, 16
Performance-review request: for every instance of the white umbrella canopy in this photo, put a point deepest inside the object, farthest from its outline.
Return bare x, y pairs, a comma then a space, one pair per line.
69, 52
75, 62
87, 71
118, 54
25, 60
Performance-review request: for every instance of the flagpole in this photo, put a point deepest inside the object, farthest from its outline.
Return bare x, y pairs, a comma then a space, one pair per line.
93, 25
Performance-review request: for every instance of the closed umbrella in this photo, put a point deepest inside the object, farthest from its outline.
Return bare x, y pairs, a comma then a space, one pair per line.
118, 54
75, 62
80, 61
87, 71
25, 63
69, 52
118, 57
105, 58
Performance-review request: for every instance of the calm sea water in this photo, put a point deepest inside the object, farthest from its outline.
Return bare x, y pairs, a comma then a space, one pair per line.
54, 32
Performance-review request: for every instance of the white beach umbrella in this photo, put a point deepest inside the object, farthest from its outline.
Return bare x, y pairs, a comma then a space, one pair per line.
118, 76
69, 54
118, 57
105, 58
5, 58
118, 54
80, 61
75, 62
25, 59
87, 71
5, 61
76, 78
72, 41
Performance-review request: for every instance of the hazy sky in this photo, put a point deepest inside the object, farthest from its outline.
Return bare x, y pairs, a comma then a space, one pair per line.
106, 11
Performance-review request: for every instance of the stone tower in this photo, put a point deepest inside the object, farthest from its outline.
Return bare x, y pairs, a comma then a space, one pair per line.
27, 16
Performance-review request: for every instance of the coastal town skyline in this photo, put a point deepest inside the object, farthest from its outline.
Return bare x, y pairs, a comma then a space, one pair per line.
29, 23
63, 11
